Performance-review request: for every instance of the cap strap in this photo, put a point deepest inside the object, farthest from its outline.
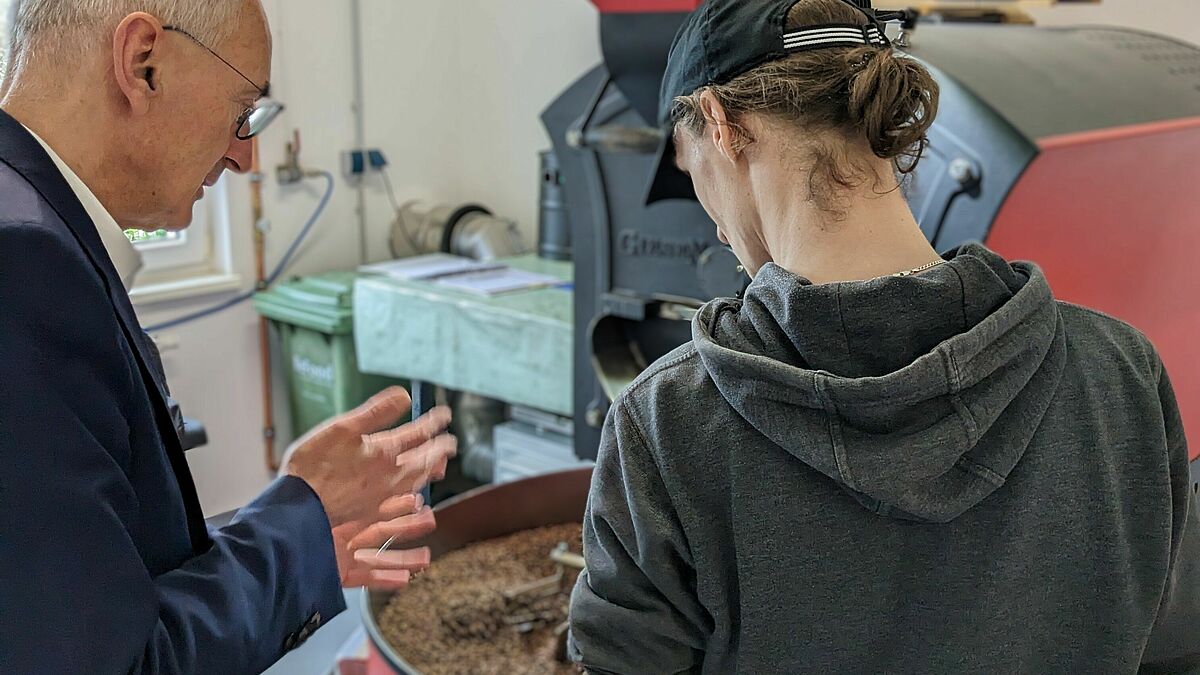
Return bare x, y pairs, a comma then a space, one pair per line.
835, 35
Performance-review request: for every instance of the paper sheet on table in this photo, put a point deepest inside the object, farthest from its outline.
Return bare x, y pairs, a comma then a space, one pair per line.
432, 266
498, 281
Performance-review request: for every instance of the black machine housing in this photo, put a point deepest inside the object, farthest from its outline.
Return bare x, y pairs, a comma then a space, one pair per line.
642, 270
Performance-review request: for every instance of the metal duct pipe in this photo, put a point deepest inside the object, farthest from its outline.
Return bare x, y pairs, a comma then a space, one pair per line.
470, 231
554, 220
474, 425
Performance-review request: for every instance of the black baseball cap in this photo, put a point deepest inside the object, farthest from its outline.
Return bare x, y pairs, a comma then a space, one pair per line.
727, 38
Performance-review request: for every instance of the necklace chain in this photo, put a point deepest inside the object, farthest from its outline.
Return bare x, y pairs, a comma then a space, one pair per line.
922, 268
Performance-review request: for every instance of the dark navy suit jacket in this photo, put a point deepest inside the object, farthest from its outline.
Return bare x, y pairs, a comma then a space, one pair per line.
106, 564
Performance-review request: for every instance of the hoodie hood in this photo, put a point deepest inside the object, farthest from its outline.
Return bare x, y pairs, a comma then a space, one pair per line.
927, 389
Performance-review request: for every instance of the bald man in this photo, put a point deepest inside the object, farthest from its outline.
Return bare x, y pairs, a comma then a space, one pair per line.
118, 114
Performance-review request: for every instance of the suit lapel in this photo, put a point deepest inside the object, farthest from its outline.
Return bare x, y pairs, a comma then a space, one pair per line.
25, 155
155, 362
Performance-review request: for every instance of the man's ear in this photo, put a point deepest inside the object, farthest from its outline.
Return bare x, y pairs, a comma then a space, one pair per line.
721, 133
136, 60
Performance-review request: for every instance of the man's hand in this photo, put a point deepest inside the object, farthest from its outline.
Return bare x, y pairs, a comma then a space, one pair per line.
360, 561
366, 478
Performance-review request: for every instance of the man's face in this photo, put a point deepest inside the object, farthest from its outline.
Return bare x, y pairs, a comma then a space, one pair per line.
722, 188
189, 136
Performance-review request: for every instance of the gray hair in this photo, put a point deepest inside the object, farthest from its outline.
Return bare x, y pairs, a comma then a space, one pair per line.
46, 25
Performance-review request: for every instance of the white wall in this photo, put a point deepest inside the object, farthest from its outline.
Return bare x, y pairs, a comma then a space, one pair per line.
1177, 18
454, 92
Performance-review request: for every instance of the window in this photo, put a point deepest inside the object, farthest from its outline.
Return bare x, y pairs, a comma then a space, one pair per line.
148, 240
196, 261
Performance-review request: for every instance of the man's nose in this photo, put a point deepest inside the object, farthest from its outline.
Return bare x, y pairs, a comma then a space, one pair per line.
240, 155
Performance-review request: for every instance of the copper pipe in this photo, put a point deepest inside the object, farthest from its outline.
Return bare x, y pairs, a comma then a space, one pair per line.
264, 328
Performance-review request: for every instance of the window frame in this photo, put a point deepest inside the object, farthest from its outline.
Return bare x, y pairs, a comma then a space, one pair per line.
199, 263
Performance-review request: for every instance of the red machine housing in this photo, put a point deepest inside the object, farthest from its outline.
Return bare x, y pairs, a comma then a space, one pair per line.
1074, 148
1113, 217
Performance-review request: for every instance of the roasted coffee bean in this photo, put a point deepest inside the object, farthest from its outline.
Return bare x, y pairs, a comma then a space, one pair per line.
455, 620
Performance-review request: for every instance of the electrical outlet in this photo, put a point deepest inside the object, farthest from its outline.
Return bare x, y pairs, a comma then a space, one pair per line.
356, 163
376, 160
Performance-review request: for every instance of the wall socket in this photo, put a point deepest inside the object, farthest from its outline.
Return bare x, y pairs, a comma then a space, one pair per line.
356, 163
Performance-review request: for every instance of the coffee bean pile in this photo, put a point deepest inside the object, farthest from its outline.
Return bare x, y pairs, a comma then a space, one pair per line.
453, 618
475, 616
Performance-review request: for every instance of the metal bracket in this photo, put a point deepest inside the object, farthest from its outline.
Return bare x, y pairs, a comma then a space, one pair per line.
624, 306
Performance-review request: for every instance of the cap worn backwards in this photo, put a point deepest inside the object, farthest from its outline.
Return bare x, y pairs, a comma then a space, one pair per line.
724, 39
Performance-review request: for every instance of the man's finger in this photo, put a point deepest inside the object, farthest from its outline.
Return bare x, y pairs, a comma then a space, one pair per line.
399, 506
417, 473
388, 580
413, 560
396, 442
438, 470
415, 469
430, 453
378, 580
412, 435
380, 412
404, 529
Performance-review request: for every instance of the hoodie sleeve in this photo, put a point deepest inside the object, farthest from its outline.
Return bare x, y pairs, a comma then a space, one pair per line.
1174, 644
634, 610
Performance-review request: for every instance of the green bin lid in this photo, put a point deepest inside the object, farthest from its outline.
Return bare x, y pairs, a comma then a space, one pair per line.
323, 303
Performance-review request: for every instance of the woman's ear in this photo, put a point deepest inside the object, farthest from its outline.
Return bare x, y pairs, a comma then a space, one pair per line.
719, 131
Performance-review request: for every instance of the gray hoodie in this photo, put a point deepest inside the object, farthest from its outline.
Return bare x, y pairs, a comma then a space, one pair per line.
945, 473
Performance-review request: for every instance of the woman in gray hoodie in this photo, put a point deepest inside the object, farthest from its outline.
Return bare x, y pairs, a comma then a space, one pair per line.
879, 460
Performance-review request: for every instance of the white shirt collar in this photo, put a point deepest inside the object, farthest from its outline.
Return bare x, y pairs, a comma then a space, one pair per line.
124, 256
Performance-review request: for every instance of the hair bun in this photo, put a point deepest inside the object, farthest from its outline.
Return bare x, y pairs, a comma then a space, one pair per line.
893, 100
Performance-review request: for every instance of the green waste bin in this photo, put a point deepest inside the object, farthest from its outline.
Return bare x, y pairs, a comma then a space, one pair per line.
315, 320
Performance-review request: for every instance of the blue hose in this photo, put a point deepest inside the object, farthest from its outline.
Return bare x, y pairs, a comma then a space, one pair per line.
271, 279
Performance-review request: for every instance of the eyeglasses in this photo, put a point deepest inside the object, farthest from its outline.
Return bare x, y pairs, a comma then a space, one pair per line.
254, 120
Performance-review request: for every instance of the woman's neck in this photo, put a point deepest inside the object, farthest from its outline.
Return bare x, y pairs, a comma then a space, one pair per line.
874, 236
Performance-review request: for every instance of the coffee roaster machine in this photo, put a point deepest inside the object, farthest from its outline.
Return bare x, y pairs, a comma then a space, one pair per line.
1073, 147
